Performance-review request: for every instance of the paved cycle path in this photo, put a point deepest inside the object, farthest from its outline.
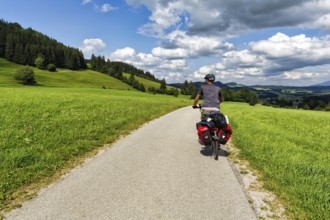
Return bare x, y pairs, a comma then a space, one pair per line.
159, 171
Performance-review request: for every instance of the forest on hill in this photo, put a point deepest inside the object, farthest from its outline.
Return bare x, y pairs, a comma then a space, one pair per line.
27, 47
24, 46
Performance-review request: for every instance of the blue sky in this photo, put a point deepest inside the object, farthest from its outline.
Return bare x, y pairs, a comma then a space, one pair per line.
251, 42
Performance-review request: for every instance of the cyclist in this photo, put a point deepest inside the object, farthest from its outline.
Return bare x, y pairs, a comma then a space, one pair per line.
212, 97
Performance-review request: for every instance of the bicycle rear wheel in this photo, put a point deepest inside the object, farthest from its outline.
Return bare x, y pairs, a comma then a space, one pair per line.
215, 145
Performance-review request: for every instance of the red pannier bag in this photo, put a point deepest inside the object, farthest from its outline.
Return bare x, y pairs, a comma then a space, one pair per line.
224, 134
204, 133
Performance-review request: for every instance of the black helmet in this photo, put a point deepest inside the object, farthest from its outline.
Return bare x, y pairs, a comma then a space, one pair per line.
210, 77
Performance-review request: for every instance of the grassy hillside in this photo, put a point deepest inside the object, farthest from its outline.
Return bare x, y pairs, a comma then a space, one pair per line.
146, 83
61, 78
7, 70
291, 148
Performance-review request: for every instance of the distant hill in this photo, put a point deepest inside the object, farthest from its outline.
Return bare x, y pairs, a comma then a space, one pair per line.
274, 92
326, 83
197, 84
231, 84
301, 89
318, 88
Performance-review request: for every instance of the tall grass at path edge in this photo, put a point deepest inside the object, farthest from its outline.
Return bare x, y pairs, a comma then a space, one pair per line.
291, 148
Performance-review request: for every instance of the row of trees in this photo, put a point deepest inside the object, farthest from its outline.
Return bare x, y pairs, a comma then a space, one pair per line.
163, 89
319, 102
241, 95
134, 83
188, 88
24, 46
116, 70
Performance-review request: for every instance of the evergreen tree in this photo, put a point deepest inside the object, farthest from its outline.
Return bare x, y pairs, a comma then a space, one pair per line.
163, 86
184, 89
136, 84
93, 62
191, 88
194, 93
3, 35
19, 54
23, 46
142, 88
10, 47
131, 79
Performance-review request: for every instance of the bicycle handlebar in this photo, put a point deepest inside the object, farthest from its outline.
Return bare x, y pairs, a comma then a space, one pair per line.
197, 106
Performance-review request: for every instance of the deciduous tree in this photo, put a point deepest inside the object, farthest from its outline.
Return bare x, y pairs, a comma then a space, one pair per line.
25, 75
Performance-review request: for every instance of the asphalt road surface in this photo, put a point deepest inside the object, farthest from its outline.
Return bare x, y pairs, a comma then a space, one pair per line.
160, 171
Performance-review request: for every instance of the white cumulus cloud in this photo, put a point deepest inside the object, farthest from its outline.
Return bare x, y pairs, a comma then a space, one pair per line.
169, 53
228, 18
161, 68
84, 2
92, 46
287, 53
281, 58
104, 8
122, 54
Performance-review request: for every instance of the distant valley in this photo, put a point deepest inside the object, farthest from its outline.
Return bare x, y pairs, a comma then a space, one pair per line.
315, 97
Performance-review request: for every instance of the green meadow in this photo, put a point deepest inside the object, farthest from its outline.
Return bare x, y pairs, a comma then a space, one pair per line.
291, 149
61, 78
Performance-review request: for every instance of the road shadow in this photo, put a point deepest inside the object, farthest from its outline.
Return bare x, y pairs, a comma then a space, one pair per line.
207, 151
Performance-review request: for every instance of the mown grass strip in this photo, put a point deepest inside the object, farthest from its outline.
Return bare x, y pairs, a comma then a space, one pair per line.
292, 150
43, 129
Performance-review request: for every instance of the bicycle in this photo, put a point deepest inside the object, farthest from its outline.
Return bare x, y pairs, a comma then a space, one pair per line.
214, 130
